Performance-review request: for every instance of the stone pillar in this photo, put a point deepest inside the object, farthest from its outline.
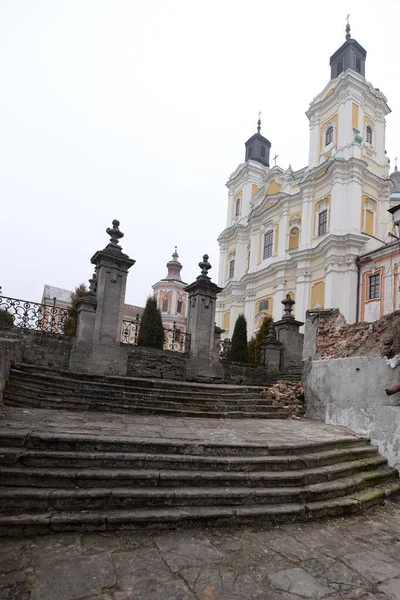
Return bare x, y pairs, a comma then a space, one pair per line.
287, 332
201, 326
271, 352
97, 348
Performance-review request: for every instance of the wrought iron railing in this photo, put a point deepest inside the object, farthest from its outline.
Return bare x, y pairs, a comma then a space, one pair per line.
175, 339
33, 315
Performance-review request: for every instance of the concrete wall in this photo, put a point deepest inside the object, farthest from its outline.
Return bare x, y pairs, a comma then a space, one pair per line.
10, 352
351, 392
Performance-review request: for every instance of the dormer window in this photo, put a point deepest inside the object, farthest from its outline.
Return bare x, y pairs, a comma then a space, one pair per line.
329, 135
368, 135
237, 207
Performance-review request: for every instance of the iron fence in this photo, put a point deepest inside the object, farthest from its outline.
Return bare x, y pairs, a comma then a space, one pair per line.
35, 316
175, 340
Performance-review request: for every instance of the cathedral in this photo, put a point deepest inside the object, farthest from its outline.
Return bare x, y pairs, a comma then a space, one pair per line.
302, 232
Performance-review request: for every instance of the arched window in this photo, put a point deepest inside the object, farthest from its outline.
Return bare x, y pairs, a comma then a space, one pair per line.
237, 208
368, 134
329, 135
294, 238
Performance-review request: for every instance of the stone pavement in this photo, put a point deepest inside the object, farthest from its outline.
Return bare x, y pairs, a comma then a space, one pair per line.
208, 430
355, 558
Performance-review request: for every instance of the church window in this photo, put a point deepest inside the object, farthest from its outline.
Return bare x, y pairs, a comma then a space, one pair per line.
368, 134
329, 135
263, 305
268, 243
358, 65
237, 208
322, 222
231, 268
263, 151
374, 284
165, 305
250, 152
179, 307
339, 68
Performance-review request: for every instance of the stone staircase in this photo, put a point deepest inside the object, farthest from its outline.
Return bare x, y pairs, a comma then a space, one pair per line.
75, 470
76, 482
31, 386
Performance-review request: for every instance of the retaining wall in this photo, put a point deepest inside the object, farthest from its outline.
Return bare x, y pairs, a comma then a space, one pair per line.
351, 392
10, 352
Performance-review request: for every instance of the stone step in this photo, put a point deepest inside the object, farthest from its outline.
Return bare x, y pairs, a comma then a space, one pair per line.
23, 476
78, 379
96, 460
41, 440
22, 499
258, 413
113, 520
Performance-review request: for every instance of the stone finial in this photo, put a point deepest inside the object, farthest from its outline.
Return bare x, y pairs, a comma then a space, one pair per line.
205, 267
271, 334
114, 233
288, 305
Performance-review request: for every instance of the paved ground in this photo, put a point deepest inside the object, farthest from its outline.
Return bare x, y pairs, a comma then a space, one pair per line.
353, 558
235, 431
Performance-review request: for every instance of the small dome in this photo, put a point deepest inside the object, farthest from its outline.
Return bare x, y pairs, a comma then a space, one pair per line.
395, 177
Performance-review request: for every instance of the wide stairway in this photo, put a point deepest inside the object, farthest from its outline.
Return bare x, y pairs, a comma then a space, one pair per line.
46, 388
81, 470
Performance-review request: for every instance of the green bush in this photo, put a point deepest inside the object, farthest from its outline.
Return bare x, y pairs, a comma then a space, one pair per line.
251, 350
6, 320
238, 351
151, 332
71, 320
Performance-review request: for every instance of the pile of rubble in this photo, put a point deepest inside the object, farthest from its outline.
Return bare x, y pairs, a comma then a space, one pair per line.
288, 396
337, 339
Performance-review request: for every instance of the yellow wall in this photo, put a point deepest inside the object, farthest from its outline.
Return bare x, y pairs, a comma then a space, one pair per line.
276, 239
254, 190
227, 321
317, 294
369, 222
354, 115
367, 215
269, 310
274, 187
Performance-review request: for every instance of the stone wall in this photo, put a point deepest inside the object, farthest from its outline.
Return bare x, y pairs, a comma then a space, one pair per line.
45, 349
351, 392
10, 352
237, 373
150, 362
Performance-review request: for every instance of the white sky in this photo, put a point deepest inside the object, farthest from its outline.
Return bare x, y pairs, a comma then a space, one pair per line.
139, 110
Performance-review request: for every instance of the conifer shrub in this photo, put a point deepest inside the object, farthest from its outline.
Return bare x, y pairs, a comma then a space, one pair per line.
239, 352
151, 332
6, 319
71, 320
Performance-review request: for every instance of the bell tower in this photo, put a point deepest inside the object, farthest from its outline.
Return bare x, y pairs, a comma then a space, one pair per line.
351, 55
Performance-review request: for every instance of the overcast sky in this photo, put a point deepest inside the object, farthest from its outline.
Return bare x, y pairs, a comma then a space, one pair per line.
139, 110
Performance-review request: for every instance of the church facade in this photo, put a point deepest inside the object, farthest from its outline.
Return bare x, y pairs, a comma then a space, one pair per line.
301, 232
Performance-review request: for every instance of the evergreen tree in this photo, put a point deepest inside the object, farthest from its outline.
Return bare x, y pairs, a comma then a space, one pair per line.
151, 332
238, 351
251, 350
71, 320
6, 319
261, 335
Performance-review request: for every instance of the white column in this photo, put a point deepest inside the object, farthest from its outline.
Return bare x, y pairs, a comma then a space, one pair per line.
254, 246
249, 309
302, 296
283, 227
313, 155
306, 223
279, 289
222, 264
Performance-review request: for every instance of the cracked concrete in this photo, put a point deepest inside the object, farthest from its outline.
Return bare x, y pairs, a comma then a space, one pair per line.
356, 558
